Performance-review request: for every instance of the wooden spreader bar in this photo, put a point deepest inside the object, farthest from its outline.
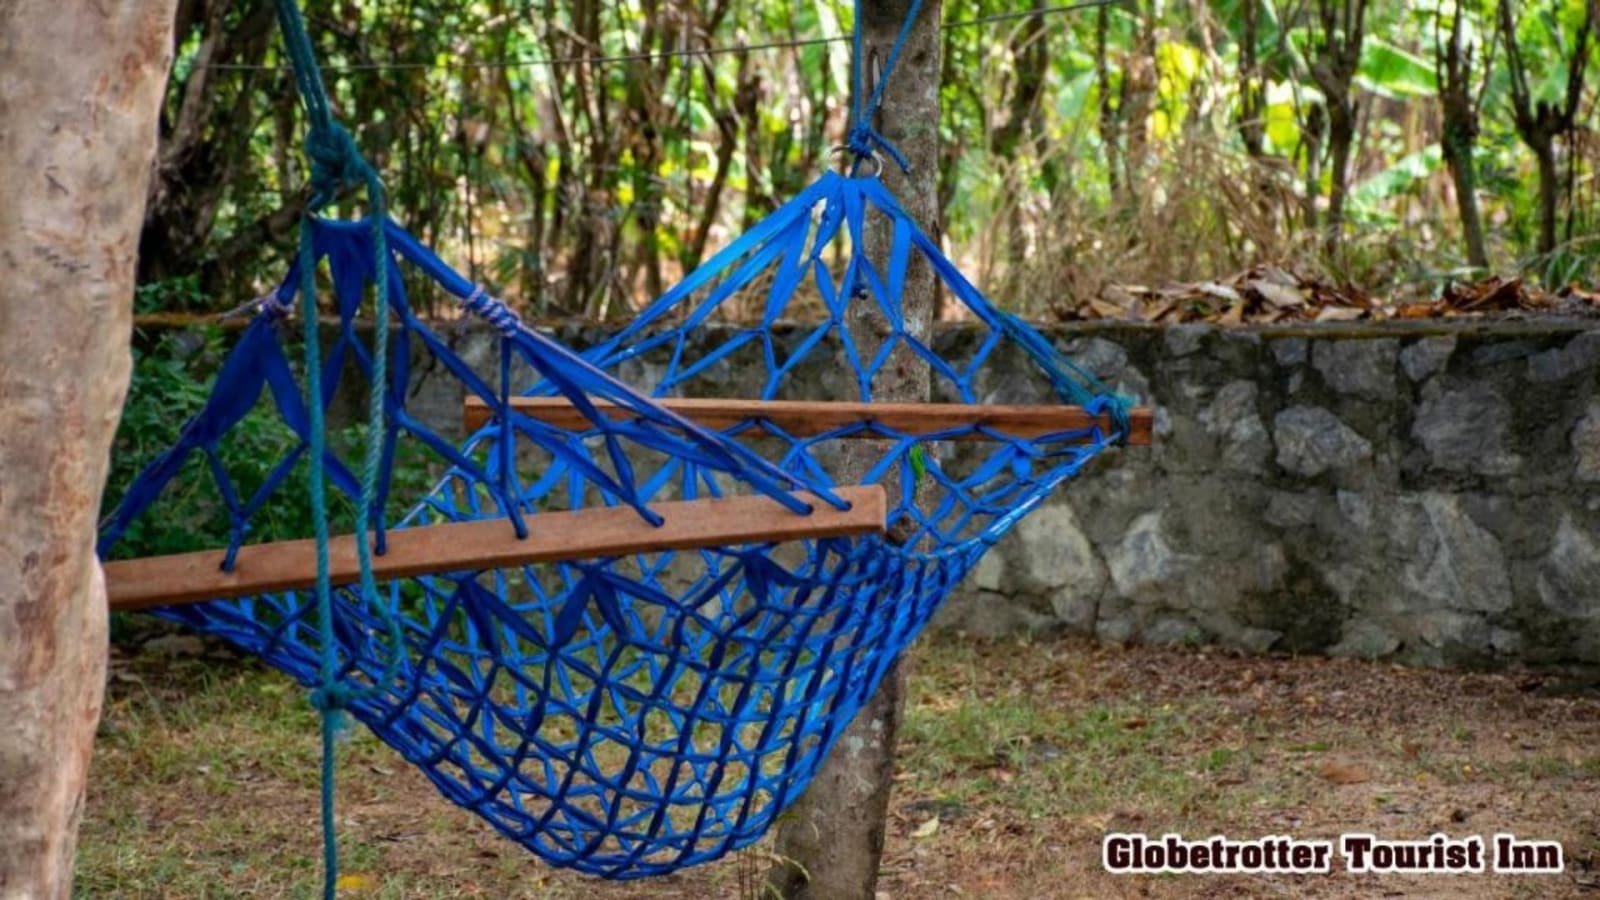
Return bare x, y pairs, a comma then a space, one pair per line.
488, 544
807, 418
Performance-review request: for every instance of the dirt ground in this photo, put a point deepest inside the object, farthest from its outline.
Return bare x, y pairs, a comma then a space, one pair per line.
1017, 759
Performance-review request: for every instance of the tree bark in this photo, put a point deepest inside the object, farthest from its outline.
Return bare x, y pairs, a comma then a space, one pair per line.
1456, 66
80, 88
830, 842
1463, 174
1110, 121
1544, 152
1030, 50
1338, 59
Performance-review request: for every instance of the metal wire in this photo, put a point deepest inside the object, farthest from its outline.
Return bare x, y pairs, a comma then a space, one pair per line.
662, 54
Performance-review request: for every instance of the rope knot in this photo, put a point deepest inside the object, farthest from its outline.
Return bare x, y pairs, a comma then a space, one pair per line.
1118, 407
861, 140
866, 142
502, 317
335, 162
276, 305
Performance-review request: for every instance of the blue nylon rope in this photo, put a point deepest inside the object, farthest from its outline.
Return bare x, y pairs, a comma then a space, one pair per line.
864, 138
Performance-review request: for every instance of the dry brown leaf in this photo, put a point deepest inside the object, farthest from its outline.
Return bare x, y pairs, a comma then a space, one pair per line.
1117, 296
355, 881
1572, 291
1276, 276
1339, 314
1343, 773
1220, 291
1106, 310
1281, 296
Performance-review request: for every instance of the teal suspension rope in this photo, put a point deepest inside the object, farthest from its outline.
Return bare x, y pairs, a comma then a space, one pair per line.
336, 161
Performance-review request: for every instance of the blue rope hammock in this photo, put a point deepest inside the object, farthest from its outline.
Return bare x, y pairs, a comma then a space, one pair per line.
632, 715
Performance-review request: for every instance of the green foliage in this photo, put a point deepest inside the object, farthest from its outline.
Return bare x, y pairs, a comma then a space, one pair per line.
171, 295
587, 187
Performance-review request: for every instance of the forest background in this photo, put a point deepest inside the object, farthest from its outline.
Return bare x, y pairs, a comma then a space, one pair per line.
1169, 160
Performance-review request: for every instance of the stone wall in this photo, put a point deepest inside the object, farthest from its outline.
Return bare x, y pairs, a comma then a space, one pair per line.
1425, 494
1428, 493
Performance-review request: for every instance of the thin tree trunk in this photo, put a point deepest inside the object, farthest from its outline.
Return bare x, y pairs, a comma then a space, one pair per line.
1311, 136
1338, 58
1549, 192
1110, 120
83, 84
832, 837
1341, 138
1541, 123
1252, 121
1458, 157
1456, 65
1030, 50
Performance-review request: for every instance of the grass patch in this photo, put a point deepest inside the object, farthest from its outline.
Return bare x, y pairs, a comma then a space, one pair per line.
204, 781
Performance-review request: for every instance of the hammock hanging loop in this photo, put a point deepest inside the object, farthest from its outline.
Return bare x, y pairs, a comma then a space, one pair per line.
864, 139
842, 153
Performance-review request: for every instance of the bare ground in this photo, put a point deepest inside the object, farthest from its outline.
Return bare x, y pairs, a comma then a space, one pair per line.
205, 780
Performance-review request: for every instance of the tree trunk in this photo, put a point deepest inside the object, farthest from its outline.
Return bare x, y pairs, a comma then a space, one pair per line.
1544, 150
1334, 68
831, 839
1341, 138
1030, 50
1458, 156
1541, 124
205, 145
1111, 118
1456, 66
81, 83
1311, 136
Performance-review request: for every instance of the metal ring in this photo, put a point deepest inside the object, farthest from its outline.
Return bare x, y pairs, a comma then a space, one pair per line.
875, 156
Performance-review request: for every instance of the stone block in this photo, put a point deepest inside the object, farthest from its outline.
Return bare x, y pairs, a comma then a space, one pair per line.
1361, 368
1143, 559
1569, 576
1232, 419
1586, 445
1312, 440
1366, 639
1579, 355
1055, 555
1465, 429
1456, 564
1427, 356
